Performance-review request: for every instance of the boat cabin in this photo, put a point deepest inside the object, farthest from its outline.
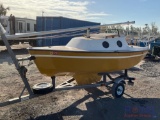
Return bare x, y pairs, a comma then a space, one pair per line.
99, 42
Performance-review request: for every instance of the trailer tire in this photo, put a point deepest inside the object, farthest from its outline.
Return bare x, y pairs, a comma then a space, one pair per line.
118, 90
42, 88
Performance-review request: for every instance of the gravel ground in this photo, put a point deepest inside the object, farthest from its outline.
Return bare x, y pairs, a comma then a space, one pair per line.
139, 102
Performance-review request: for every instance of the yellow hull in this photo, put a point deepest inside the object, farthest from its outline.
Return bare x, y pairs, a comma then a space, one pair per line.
78, 64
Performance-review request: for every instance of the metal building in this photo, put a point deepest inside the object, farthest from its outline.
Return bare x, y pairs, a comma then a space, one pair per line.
55, 23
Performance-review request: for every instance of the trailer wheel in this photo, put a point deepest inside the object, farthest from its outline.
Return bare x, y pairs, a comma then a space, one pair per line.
118, 90
42, 88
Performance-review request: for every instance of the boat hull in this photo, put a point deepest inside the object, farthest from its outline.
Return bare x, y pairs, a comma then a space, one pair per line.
54, 63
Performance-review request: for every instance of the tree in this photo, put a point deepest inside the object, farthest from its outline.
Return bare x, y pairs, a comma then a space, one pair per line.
154, 28
3, 10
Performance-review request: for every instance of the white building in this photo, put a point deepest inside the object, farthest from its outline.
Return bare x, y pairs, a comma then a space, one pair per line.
15, 25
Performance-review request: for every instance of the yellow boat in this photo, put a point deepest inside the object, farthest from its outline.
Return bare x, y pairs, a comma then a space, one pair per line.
85, 57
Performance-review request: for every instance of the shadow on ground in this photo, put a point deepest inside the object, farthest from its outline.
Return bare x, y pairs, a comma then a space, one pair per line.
107, 108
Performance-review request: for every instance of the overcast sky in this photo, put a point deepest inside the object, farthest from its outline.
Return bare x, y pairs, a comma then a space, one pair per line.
103, 11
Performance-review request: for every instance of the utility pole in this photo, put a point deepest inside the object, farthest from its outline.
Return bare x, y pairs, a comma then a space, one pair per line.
42, 13
42, 21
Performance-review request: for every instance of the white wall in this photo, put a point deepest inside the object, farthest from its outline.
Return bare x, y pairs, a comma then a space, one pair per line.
24, 21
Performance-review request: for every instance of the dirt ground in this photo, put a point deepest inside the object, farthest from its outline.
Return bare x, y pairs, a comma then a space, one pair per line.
139, 102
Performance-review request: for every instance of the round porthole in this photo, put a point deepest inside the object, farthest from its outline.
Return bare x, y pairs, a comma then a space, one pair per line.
119, 43
105, 44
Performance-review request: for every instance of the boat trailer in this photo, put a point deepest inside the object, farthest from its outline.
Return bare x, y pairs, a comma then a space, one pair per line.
44, 88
